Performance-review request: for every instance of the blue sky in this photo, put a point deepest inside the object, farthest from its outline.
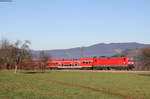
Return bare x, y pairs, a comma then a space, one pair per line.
55, 24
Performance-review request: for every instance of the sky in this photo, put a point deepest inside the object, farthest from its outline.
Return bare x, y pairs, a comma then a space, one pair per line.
61, 24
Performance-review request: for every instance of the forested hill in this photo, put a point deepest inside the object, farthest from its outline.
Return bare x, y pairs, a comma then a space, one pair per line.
101, 49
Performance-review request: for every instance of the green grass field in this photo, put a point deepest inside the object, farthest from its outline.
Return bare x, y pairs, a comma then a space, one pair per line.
74, 85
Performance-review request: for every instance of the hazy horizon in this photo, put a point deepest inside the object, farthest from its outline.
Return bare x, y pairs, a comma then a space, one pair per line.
87, 46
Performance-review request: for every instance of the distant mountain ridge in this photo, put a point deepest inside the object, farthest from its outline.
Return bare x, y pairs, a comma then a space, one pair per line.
101, 49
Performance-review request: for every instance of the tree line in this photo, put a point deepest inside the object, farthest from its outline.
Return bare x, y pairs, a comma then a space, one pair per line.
12, 55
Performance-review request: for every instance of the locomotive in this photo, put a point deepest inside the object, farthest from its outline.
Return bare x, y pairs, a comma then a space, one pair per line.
94, 63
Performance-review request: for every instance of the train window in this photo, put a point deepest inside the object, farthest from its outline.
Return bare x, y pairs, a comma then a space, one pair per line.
86, 62
131, 59
124, 59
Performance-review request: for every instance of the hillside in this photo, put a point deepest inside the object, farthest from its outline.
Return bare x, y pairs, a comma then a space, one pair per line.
101, 49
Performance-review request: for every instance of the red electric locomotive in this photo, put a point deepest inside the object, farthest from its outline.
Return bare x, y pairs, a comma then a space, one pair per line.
113, 63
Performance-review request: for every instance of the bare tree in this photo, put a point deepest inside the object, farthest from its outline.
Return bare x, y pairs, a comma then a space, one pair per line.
43, 58
20, 52
5, 50
144, 59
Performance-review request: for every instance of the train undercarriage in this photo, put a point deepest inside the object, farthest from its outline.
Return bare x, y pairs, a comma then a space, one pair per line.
123, 67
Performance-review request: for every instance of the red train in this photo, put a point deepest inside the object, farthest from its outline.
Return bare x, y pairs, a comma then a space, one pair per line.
93, 63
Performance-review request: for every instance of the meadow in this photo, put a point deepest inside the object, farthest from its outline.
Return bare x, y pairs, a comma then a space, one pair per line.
74, 85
